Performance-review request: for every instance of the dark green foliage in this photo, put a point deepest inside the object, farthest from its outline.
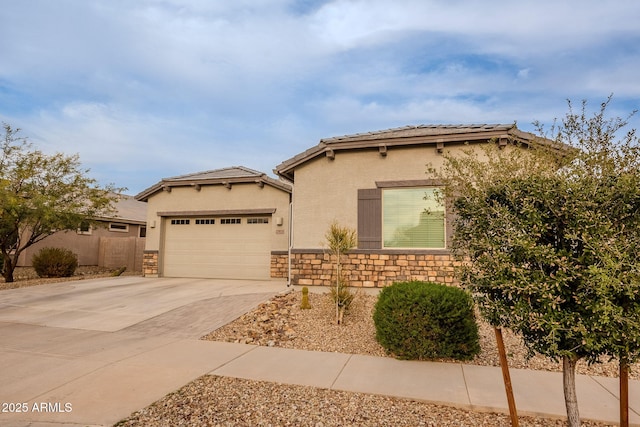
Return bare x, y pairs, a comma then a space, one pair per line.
55, 262
425, 320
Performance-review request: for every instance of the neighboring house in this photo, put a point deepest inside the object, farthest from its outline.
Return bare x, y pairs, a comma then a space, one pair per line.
224, 223
376, 183
117, 242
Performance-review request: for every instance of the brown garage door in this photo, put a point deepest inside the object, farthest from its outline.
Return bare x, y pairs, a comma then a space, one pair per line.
236, 247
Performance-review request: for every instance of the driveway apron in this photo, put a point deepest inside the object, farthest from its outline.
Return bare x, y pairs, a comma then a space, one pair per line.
91, 352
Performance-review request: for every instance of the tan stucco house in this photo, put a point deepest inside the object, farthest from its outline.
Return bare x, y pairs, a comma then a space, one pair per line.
117, 241
376, 183
224, 223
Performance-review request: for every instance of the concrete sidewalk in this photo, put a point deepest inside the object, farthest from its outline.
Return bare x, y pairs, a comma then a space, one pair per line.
98, 378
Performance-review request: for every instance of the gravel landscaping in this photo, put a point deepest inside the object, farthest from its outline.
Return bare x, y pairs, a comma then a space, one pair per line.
218, 401
280, 322
26, 276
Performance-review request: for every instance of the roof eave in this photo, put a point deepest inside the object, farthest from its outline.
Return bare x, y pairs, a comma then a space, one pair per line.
169, 183
286, 168
121, 219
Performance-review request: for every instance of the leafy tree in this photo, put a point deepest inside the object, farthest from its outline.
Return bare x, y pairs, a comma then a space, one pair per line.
549, 236
41, 194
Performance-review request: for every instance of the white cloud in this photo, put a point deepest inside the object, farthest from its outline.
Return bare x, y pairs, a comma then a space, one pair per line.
163, 87
496, 26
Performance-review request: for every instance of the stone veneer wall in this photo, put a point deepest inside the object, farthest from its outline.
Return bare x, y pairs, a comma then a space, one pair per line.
150, 263
369, 269
365, 268
279, 265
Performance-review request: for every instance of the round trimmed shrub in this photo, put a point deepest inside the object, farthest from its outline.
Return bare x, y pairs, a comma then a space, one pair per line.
55, 262
426, 320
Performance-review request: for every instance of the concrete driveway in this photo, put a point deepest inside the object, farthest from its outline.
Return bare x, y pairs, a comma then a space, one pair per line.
91, 352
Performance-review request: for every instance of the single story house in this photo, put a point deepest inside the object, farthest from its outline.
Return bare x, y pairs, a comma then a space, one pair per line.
239, 223
376, 183
224, 223
118, 240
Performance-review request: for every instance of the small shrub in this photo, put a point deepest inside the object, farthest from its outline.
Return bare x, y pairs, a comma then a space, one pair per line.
119, 271
55, 262
424, 320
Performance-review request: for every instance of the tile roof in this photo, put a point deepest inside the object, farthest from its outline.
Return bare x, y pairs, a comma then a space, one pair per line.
419, 130
407, 135
225, 173
230, 175
130, 210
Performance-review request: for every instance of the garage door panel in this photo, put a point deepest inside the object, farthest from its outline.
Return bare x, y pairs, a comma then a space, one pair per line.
241, 251
247, 259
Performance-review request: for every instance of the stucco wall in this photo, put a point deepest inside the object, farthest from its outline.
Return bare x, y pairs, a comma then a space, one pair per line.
86, 246
218, 197
327, 190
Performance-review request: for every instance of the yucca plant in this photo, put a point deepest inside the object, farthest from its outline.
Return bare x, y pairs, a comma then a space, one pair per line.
340, 240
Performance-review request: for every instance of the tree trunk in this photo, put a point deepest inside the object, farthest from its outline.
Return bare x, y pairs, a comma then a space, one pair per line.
624, 393
506, 378
569, 384
8, 268
338, 289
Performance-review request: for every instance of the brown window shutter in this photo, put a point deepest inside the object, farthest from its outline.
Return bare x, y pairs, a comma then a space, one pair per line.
370, 218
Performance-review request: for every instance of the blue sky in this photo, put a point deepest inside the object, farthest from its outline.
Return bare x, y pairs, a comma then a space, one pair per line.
148, 89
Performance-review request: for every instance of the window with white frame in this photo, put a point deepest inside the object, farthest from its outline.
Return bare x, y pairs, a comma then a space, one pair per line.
84, 228
412, 218
118, 226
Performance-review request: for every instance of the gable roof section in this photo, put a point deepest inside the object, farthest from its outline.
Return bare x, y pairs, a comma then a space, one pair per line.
128, 209
436, 135
225, 176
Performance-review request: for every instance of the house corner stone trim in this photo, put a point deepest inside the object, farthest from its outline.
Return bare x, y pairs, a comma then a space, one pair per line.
150, 264
279, 264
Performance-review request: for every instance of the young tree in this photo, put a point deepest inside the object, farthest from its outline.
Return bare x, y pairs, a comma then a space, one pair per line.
548, 235
41, 194
340, 241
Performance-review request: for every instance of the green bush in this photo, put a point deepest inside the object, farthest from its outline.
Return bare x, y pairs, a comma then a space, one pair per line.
119, 271
55, 262
424, 320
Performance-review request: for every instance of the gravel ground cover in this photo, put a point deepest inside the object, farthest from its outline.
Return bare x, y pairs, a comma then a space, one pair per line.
280, 322
219, 401
26, 276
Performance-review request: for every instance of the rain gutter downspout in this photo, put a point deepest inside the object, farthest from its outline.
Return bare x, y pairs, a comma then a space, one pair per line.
290, 245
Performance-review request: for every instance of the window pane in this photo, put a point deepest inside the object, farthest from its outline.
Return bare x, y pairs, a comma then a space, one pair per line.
412, 218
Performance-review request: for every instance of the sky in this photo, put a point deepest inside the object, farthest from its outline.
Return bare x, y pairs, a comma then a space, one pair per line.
148, 89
